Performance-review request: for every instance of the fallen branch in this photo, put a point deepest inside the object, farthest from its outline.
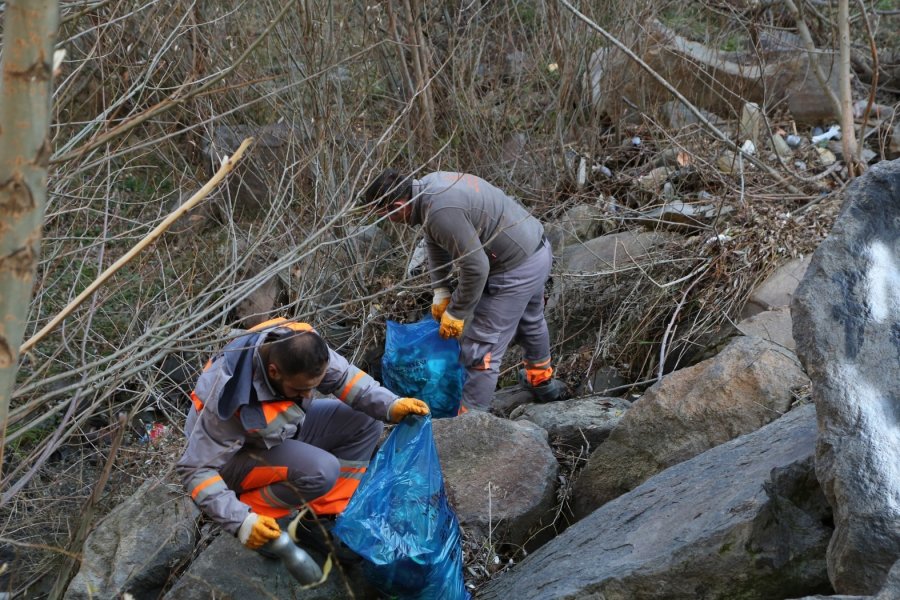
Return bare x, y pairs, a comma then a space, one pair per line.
228, 165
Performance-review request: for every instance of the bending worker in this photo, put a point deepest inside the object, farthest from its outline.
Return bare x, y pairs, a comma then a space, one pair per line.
259, 446
503, 260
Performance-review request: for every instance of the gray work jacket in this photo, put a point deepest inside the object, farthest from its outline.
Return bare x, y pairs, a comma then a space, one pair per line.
474, 225
213, 440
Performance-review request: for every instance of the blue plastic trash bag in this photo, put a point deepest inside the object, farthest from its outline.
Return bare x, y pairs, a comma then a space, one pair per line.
399, 520
417, 363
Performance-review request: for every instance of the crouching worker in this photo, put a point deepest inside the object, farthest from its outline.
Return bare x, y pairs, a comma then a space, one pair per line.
259, 446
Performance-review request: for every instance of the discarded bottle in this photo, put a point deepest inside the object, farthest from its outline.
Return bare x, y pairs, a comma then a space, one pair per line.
295, 559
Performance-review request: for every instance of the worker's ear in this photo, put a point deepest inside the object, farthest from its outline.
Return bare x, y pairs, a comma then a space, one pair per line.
273, 372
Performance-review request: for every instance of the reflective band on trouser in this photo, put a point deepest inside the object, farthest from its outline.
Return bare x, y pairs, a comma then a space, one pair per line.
263, 501
205, 483
537, 372
335, 500
260, 495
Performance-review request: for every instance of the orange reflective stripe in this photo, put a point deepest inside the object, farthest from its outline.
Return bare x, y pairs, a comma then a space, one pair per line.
198, 403
346, 391
271, 410
282, 321
204, 484
538, 376
336, 499
262, 476
485, 363
256, 499
269, 323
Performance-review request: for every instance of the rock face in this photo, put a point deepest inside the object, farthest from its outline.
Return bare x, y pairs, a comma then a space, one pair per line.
772, 325
500, 475
739, 390
778, 289
743, 520
262, 171
228, 571
573, 424
137, 546
847, 327
711, 79
600, 274
578, 224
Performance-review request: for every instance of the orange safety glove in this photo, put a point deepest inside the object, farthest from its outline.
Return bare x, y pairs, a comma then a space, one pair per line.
440, 303
256, 530
401, 407
451, 327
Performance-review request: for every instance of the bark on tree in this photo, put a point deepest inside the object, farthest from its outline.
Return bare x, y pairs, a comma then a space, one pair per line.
29, 36
848, 133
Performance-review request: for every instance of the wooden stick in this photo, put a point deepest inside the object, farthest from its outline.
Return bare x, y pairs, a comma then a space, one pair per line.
228, 165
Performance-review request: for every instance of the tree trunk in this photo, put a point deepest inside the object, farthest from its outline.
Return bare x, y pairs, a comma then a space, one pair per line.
29, 36
848, 132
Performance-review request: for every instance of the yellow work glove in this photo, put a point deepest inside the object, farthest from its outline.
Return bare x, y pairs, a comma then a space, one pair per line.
440, 303
256, 530
402, 407
451, 327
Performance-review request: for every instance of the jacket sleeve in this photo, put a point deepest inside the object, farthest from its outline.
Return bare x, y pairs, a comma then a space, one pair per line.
357, 388
451, 233
210, 446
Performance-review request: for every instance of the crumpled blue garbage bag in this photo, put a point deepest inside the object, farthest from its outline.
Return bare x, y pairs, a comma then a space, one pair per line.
417, 363
400, 522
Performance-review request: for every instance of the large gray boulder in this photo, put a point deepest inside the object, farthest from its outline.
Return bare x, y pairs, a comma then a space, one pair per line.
594, 278
500, 475
137, 547
272, 167
226, 570
889, 591
581, 423
745, 386
847, 328
745, 520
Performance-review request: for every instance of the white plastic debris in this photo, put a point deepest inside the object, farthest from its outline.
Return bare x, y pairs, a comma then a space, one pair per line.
417, 260
833, 133
581, 177
748, 147
603, 169
721, 239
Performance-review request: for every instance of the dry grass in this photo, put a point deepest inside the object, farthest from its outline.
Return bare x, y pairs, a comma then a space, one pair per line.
146, 85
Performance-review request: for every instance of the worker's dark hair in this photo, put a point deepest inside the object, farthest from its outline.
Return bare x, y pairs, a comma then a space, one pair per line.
295, 352
389, 187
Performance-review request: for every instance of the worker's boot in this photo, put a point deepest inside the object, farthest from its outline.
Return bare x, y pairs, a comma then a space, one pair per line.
551, 390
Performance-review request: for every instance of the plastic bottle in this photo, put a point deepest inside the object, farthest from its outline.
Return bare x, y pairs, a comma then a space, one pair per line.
295, 559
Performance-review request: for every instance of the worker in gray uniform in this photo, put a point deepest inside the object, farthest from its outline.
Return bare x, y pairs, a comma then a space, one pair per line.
260, 446
503, 261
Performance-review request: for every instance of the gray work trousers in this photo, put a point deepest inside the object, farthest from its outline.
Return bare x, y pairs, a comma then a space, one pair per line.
512, 306
321, 466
